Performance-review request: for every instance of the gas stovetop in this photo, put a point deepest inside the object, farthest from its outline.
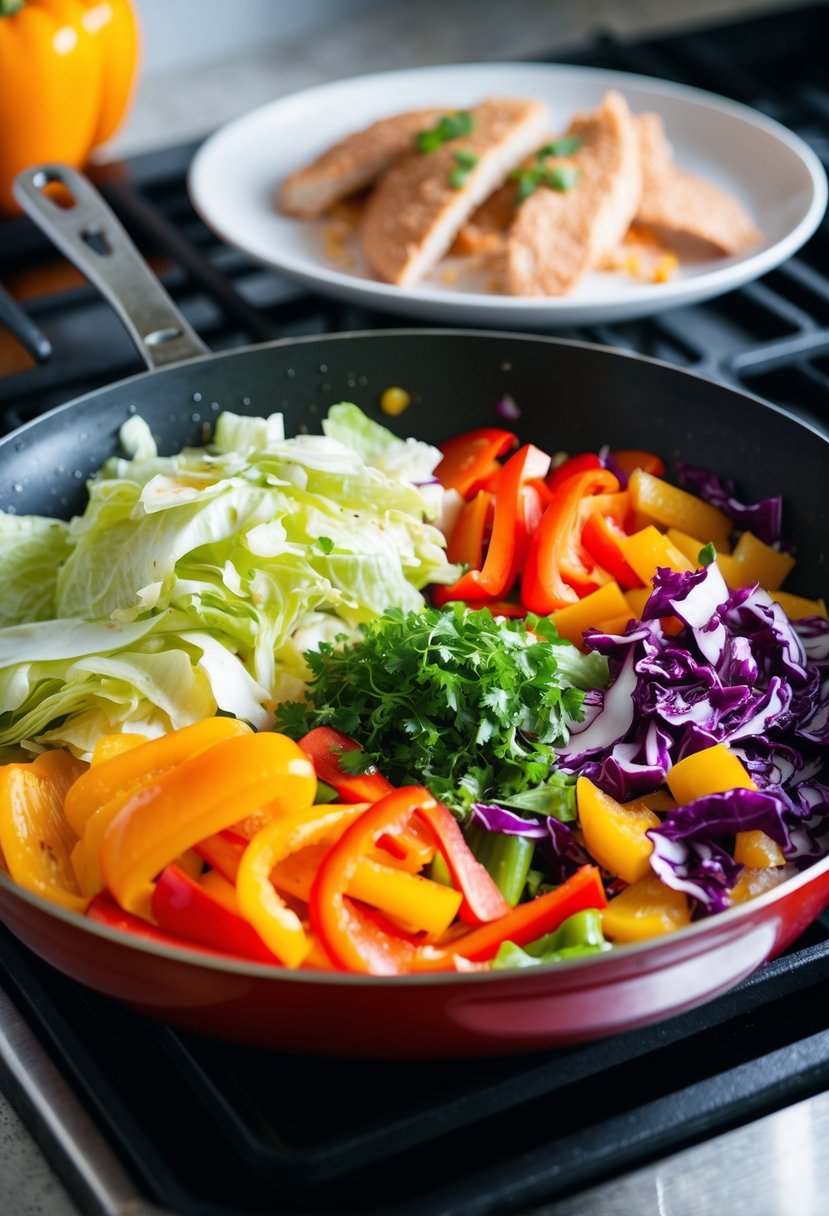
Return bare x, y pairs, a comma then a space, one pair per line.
137, 1117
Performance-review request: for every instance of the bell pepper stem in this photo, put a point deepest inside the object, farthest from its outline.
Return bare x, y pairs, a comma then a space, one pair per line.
9, 7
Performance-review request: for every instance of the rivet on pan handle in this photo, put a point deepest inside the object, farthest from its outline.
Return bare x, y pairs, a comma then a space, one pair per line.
86, 230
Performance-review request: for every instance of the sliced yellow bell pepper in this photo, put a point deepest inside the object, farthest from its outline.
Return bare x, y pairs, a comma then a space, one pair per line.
757, 850
714, 770
645, 551
35, 838
636, 598
614, 832
204, 794
752, 883
796, 607
646, 909
753, 561
689, 545
671, 507
607, 602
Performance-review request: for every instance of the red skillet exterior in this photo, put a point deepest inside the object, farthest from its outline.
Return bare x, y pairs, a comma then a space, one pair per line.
571, 396
419, 1017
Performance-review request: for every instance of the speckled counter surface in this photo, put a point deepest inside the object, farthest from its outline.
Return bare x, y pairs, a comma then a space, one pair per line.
175, 107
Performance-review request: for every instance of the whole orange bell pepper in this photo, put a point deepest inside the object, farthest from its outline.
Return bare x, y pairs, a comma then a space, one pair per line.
67, 73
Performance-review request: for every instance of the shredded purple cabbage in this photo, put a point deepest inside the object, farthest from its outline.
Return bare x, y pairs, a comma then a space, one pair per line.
762, 518
558, 844
739, 673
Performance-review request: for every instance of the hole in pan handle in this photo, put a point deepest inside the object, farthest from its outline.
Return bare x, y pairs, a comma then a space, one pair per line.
71, 212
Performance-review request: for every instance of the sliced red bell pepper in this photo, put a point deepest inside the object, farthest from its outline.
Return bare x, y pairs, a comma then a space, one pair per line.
523, 924
103, 910
579, 463
466, 543
482, 900
471, 459
557, 569
183, 907
600, 537
323, 746
517, 506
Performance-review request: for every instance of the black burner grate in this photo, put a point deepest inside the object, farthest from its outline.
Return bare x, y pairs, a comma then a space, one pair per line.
216, 1130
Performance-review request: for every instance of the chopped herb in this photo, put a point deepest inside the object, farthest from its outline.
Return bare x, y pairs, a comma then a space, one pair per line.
707, 554
470, 706
566, 146
450, 126
325, 543
465, 161
555, 177
562, 177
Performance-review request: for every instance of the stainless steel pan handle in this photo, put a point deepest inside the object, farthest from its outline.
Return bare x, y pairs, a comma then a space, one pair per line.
84, 228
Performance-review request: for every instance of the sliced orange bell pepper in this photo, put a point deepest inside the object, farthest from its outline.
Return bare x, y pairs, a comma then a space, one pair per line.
135, 764
757, 850
206, 793
465, 545
35, 838
629, 459
796, 607
109, 746
517, 506
558, 570
753, 561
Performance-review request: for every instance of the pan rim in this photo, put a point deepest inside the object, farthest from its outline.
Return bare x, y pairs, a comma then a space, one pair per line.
436, 332
749, 910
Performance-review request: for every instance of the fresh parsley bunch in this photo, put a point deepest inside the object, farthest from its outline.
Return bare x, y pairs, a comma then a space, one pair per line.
453, 699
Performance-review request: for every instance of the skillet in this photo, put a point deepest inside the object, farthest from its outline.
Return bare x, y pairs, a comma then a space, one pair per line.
571, 396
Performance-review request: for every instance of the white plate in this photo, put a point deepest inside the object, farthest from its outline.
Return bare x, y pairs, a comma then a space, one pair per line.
235, 174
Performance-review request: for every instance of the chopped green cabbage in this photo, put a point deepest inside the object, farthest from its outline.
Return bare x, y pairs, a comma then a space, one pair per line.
192, 583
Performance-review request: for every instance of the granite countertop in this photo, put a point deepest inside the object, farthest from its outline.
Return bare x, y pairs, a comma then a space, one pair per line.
174, 107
